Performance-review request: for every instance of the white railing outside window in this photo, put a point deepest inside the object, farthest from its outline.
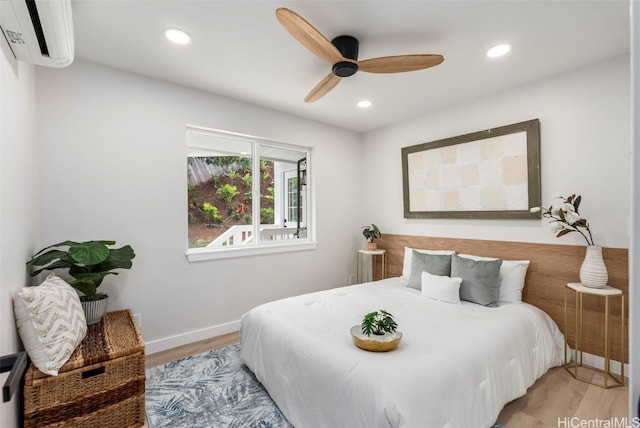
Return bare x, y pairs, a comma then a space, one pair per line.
243, 235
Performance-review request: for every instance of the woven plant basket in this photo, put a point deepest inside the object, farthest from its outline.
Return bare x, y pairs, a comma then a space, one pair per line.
101, 386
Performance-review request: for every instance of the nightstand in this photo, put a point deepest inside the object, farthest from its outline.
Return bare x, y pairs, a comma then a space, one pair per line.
101, 385
573, 367
368, 257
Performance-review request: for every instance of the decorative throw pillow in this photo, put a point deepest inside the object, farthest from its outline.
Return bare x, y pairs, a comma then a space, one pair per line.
443, 288
50, 321
480, 279
435, 264
512, 274
408, 254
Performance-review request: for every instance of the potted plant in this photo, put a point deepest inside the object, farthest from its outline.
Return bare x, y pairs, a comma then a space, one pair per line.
371, 233
88, 263
378, 322
377, 332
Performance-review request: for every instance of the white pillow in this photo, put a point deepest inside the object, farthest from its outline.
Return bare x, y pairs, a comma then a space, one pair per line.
443, 288
51, 322
512, 273
408, 256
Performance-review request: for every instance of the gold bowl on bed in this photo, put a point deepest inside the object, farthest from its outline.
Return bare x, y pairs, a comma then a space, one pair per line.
387, 342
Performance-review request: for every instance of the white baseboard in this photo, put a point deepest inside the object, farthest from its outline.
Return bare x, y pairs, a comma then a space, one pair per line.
598, 362
170, 342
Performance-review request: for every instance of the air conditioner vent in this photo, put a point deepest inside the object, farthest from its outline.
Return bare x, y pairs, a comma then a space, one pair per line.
39, 31
37, 26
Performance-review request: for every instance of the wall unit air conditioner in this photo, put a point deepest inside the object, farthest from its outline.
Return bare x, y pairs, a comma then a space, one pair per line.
39, 31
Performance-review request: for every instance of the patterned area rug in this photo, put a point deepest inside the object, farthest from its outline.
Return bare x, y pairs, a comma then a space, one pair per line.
212, 389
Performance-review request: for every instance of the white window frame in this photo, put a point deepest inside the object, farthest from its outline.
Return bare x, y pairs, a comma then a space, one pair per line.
270, 247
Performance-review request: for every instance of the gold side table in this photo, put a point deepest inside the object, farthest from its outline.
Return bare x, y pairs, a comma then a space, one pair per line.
572, 367
371, 254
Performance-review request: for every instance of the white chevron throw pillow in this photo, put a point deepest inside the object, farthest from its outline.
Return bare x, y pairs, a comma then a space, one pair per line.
51, 322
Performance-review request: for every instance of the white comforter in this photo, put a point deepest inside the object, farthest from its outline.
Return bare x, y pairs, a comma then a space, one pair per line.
456, 367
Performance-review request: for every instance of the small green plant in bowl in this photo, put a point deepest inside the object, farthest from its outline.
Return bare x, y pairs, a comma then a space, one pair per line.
377, 332
378, 322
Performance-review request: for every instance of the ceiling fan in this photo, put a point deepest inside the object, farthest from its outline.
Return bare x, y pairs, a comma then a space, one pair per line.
342, 54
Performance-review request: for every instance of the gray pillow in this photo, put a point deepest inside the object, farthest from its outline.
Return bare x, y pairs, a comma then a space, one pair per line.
435, 264
480, 279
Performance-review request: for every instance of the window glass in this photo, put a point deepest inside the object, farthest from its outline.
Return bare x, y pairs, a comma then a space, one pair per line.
244, 191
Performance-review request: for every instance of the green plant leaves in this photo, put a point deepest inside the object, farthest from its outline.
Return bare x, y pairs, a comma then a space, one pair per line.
367, 323
58, 264
371, 233
87, 262
86, 287
119, 258
89, 253
46, 258
378, 322
227, 192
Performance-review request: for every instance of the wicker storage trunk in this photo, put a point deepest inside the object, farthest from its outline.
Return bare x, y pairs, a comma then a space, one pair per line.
102, 384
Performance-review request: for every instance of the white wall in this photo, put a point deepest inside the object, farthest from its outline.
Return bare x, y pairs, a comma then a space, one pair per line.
18, 199
113, 166
584, 122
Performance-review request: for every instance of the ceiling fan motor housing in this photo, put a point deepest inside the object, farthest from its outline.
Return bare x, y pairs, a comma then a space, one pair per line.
348, 47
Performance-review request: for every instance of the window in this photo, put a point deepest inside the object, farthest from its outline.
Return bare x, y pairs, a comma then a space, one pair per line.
246, 195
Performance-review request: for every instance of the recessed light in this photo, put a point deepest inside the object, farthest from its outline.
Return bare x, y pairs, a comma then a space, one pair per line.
499, 50
364, 104
177, 36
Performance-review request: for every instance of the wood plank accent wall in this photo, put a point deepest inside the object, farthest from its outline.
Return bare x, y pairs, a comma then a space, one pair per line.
551, 268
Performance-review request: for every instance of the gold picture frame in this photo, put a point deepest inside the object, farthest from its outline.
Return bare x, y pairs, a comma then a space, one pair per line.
490, 174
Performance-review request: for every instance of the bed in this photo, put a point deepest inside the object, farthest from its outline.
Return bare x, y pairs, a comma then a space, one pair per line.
456, 366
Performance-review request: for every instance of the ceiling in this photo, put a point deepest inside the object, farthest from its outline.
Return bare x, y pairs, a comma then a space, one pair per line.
240, 50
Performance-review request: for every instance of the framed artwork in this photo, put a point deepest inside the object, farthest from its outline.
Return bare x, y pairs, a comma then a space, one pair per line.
491, 174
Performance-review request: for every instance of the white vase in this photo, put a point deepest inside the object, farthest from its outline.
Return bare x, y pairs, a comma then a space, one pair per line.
94, 310
593, 272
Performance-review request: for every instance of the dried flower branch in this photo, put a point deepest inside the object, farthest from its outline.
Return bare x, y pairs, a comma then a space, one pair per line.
565, 217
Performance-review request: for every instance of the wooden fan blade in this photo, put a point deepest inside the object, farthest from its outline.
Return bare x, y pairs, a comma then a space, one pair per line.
400, 63
308, 36
322, 88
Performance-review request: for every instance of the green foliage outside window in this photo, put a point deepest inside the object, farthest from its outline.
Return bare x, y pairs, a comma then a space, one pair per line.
233, 174
270, 195
210, 213
229, 161
227, 192
266, 216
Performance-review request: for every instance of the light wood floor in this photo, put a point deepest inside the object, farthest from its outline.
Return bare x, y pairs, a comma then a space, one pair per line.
190, 349
554, 397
